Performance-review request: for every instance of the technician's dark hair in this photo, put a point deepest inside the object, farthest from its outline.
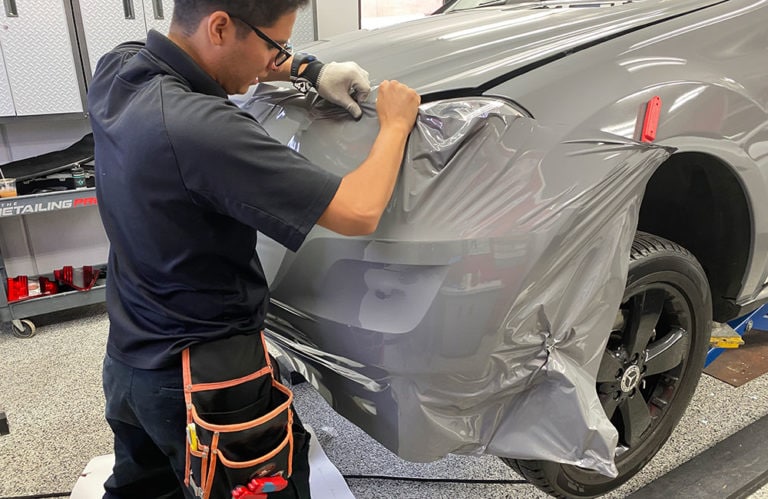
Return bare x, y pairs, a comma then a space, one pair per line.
188, 13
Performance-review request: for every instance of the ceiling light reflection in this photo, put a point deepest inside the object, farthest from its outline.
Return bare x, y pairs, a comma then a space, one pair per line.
632, 65
687, 96
625, 129
466, 33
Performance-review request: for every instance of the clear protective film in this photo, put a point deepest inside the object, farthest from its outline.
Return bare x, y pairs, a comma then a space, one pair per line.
474, 320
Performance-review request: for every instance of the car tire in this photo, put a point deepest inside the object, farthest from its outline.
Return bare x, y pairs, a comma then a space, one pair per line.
650, 368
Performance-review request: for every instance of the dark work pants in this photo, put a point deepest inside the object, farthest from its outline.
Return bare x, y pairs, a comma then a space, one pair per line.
146, 411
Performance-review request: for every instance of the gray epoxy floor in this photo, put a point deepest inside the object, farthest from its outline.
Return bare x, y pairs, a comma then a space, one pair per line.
50, 388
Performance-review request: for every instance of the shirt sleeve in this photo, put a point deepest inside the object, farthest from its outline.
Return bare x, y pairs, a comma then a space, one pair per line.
229, 163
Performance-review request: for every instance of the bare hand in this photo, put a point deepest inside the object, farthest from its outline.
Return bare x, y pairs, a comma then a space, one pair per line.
397, 105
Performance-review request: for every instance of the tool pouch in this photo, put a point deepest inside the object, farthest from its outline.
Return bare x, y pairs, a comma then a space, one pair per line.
239, 416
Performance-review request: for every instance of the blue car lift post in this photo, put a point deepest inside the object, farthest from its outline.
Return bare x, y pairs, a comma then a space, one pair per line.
723, 337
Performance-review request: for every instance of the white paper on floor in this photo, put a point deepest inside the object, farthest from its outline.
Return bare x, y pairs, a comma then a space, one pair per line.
325, 480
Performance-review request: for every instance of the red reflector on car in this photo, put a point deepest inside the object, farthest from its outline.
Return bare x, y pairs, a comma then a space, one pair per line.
651, 121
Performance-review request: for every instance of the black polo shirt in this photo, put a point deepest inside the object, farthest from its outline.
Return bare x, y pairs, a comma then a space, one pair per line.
184, 181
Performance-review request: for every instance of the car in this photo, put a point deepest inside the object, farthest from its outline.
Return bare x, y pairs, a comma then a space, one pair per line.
454, 5
581, 198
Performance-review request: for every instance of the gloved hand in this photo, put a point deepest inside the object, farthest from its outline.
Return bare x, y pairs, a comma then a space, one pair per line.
345, 84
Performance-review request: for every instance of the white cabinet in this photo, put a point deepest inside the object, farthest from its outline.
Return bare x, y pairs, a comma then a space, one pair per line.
158, 15
50, 48
39, 59
107, 24
304, 30
6, 102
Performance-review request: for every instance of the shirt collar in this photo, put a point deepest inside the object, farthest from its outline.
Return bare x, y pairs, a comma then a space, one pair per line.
163, 48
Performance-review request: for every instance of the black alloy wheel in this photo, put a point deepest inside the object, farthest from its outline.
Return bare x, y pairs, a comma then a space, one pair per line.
650, 367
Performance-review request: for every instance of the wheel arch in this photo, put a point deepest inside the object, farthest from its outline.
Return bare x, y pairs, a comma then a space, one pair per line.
696, 200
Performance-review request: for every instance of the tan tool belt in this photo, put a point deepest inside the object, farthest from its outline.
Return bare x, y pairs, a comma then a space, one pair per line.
239, 420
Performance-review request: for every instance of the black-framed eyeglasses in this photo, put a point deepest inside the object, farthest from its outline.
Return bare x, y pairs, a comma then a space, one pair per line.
283, 53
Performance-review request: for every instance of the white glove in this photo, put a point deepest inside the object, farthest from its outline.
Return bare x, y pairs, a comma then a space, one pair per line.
345, 84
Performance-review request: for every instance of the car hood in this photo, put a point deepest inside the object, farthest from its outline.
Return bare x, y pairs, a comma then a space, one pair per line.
480, 47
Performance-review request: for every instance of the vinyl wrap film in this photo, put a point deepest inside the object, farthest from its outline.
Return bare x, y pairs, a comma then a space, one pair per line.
473, 321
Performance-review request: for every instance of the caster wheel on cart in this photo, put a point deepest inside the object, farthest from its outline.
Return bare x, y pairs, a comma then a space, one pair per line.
23, 328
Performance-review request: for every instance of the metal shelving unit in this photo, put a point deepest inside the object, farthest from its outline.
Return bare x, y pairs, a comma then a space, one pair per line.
16, 312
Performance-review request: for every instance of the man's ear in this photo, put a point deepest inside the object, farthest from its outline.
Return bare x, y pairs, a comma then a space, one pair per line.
219, 27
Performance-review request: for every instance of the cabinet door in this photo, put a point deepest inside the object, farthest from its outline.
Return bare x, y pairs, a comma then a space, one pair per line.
107, 24
304, 30
39, 58
158, 14
6, 101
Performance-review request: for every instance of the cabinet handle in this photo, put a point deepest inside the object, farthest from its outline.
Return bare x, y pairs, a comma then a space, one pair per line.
157, 8
10, 8
128, 9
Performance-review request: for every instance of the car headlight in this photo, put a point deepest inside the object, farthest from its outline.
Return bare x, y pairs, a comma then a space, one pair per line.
445, 124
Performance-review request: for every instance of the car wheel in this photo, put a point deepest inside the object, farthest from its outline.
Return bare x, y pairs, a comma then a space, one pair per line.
650, 368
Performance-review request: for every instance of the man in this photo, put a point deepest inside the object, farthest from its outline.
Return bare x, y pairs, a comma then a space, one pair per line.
185, 179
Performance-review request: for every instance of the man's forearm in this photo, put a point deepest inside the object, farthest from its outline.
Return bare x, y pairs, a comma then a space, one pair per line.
373, 181
365, 192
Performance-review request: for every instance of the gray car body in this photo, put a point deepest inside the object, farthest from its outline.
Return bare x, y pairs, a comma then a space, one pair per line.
473, 321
